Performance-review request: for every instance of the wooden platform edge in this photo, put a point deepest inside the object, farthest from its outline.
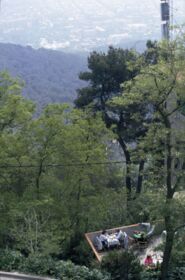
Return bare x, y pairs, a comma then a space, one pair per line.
99, 258
121, 227
92, 247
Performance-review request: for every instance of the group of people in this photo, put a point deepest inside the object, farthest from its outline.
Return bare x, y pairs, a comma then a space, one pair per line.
118, 238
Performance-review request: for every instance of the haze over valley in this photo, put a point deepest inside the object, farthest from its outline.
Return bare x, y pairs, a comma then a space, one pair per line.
81, 25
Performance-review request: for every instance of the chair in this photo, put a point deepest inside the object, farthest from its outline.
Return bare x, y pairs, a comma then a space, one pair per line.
121, 238
146, 226
98, 244
150, 233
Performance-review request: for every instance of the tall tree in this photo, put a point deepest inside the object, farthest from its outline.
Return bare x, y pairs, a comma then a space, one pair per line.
107, 73
161, 87
15, 116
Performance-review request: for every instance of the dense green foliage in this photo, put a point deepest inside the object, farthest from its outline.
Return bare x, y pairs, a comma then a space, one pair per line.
57, 180
53, 188
39, 265
122, 265
161, 88
107, 72
151, 101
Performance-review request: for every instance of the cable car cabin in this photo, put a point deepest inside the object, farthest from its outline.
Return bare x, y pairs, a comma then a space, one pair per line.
138, 236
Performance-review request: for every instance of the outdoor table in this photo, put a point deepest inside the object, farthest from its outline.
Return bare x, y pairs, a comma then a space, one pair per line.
112, 240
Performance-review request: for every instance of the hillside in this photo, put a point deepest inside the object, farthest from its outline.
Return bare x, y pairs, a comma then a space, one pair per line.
50, 76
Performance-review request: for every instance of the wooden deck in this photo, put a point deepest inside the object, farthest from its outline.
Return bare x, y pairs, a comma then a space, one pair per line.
90, 237
129, 229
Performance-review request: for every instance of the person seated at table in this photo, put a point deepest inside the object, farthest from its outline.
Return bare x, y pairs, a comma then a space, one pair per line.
119, 234
122, 237
126, 241
148, 261
98, 244
103, 238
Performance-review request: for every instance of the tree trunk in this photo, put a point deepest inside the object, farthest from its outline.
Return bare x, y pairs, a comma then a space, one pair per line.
168, 249
128, 163
123, 145
140, 177
38, 179
169, 197
78, 206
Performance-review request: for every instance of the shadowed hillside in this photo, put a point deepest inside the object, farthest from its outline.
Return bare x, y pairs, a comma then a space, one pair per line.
50, 76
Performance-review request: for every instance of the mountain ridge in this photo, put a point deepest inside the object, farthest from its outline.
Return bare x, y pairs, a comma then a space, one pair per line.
49, 75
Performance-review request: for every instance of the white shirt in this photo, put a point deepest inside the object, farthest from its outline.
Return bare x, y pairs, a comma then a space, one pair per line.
103, 237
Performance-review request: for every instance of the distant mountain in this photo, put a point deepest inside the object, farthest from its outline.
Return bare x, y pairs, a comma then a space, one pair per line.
50, 76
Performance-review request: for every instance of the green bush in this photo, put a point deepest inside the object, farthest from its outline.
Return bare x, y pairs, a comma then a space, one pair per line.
10, 260
177, 273
46, 266
122, 266
79, 252
178, 253
67, 270
150, 275
38, 265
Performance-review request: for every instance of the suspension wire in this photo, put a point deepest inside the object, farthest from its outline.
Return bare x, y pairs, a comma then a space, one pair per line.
73, 164
77, 164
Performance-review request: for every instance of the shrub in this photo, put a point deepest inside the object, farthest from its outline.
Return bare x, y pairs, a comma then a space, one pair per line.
67, 270
177, 273
150, 275
46, 266
122, 266
10, 260
38, 265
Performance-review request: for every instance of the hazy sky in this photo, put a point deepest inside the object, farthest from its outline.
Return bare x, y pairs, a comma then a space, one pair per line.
82, 24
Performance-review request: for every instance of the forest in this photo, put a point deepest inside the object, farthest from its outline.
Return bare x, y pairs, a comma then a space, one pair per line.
115, 158
49, 76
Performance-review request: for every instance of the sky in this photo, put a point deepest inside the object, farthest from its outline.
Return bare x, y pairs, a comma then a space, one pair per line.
82, 25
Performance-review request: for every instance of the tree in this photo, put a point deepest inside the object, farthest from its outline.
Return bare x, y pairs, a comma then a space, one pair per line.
16, 114
54, 177
152, 53
107, 73
61, 154
160, 87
